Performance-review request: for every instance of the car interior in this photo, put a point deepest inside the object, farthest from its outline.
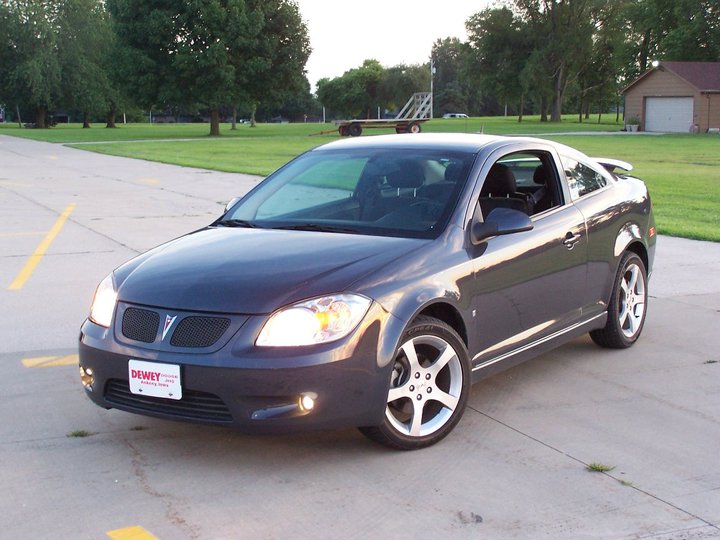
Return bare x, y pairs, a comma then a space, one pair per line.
415, 193
409, 193
522, 182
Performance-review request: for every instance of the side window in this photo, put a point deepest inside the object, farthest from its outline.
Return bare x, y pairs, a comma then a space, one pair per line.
581, 178
529, 176
523, 167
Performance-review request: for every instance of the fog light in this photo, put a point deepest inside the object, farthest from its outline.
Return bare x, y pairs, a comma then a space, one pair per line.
306, 403
87, 378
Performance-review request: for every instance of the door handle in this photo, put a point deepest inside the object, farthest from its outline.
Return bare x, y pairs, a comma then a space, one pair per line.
571, 239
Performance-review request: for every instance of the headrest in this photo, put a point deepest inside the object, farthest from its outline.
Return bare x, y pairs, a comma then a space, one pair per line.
409, 174
540, 175
453, 171
500, 182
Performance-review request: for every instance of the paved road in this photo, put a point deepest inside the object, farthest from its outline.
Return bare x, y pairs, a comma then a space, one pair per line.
515, 467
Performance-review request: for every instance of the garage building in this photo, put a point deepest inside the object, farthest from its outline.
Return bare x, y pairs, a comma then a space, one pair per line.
676, 97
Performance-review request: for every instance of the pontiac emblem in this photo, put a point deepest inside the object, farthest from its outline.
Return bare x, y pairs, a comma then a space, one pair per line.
168, 323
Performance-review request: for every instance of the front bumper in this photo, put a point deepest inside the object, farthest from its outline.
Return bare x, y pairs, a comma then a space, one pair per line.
254, 389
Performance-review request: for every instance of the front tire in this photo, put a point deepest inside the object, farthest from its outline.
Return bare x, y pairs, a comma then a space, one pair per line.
429, 386
628, 305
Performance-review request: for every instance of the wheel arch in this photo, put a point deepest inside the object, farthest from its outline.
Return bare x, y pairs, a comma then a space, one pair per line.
629, 238
639, 249
448, 314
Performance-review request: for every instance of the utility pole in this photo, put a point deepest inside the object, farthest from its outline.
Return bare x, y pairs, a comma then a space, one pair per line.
432, 83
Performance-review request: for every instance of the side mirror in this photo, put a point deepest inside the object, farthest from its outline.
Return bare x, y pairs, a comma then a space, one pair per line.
500, 221
229, 205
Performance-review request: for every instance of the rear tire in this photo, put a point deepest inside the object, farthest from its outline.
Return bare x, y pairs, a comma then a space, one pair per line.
428, 387
414, 128
628, 305
355, 130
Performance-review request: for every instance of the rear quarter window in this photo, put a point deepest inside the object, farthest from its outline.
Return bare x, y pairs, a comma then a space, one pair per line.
581, 178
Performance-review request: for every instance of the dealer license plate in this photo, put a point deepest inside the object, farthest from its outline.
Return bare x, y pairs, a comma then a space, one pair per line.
153, 379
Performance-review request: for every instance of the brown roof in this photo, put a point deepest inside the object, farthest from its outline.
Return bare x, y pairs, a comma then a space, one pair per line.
704, 76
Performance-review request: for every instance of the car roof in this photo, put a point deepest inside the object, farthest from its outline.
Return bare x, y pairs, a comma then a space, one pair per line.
440, 141
463, 142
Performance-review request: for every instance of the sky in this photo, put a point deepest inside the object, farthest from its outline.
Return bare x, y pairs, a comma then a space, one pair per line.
344, 33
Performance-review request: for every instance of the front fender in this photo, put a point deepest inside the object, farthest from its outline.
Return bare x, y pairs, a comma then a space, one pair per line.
436, 299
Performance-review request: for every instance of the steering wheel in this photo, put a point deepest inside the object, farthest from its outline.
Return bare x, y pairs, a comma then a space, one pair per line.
430, 209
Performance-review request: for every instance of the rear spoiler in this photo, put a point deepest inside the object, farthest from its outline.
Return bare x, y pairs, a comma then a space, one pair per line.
612, 164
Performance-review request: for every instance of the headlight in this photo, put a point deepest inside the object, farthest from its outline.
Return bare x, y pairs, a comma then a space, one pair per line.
316, 321
103, 304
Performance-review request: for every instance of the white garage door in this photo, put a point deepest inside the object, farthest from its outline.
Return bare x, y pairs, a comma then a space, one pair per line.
669, 114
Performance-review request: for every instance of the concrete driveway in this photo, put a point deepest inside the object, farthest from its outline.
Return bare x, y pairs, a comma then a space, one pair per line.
515, 467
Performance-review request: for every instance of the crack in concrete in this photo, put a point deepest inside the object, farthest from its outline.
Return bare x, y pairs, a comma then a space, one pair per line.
172, 513
570, 456
74, 221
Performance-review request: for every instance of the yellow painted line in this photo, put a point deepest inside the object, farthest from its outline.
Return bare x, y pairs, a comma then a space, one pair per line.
149, 180
52, 156
50, 361
131, 533
16, 184
40, 251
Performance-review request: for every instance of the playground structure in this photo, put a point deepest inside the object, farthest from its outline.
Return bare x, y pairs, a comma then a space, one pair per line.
416, 111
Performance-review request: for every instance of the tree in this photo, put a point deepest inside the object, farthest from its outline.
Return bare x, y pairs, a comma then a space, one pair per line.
687, 30
601, 81
499, 47
271, 67
204, 33
329, 92
365, 86
299, 105
356, 92
696, 36
212, 52
33, 74
449, 58
400, 82
83, 51
536, 83
116, 59
7, 53
565, 31
178, 51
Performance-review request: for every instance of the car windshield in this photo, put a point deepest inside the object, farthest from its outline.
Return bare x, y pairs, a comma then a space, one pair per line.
407, 193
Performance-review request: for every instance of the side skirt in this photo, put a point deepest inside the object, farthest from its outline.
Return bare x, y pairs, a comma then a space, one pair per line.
531, 350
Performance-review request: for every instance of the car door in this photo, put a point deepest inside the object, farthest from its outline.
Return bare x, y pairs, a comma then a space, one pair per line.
529, 285
591, 191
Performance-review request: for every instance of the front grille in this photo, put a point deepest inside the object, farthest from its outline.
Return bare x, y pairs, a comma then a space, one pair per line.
193, 331
140, 324
195, 405
199, 331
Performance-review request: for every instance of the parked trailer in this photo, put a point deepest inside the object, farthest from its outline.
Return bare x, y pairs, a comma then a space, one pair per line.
354, 128
408, 120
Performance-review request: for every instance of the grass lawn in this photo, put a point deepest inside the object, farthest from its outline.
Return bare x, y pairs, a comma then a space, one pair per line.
682, 171
73, 133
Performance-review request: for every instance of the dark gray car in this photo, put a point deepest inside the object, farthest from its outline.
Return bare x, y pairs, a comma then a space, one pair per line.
369, 282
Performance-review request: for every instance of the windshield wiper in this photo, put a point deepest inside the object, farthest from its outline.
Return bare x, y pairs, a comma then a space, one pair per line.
316, 227
237, 223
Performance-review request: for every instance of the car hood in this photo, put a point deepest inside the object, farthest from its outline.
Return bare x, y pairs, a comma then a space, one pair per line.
252, 271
